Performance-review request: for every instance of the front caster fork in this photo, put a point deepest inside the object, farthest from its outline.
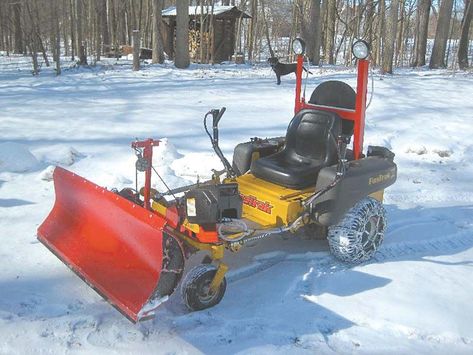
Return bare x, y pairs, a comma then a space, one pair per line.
219, 275
222, 269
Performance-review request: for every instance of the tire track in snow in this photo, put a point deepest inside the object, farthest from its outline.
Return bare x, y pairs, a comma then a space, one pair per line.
388, 252
430, 247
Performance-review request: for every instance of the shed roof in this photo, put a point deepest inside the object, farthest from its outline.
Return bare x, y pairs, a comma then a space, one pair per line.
219, 11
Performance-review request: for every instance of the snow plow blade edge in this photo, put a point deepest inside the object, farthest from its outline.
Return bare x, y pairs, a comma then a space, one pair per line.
115, 246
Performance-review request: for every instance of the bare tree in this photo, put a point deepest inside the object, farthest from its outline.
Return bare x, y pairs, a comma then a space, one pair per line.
81, 48
182, 59
381, 30
57, 36
211, 42
311, 30
390, 38
252, 29
464, 37
266, 28
422, 27
328, 26
369, 21
17, 24
32, 40
103, 24
158, 44
136, 49
437, 60
72, 29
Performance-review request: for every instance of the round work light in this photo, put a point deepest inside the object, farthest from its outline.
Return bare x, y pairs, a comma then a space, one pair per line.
298, 46
360, 49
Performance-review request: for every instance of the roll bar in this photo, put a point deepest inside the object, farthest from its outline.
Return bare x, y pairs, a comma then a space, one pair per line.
357, 115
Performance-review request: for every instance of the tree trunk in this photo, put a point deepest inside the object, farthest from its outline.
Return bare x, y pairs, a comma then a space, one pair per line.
212, 34
124, 17
382, 31
140, 15
464, 37
422, 27
390, 38
19, 46
398, 55
32, 39
293, 31
437, 60
57, 31
449, 41
34, 57
158, 50
311, 30
182, 60
330, 31
98, 32
103, 22
3, 35
136, 50
252, 29
266, 29
78, 27
323, 27
81, 50
368, 26
73, 36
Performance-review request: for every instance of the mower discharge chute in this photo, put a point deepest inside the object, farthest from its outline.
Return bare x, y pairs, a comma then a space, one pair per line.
130, 245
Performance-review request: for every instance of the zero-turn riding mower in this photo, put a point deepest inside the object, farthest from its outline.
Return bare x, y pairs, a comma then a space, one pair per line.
131, 245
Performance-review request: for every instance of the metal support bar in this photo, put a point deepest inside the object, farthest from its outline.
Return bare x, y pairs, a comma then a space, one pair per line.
299, 102
218, 278
360, 106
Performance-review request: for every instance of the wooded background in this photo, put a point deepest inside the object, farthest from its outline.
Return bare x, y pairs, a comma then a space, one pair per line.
401, 32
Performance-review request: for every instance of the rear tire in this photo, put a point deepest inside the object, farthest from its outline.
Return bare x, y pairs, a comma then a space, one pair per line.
357, 237
196, 291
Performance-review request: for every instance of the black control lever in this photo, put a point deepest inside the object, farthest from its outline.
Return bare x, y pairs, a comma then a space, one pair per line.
219, 115
216, 116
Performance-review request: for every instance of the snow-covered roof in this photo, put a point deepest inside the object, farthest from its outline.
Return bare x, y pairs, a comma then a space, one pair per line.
219, 10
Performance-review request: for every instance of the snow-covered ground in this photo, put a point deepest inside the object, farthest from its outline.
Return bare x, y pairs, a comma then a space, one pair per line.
286, 295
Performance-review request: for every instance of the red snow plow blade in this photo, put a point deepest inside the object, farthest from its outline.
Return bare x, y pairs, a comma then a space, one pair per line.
115, 246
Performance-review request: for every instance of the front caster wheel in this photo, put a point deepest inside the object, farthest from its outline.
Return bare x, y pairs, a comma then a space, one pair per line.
196, 291
357, 237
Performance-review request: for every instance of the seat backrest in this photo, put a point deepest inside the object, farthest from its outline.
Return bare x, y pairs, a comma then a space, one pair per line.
336, 94
312, 134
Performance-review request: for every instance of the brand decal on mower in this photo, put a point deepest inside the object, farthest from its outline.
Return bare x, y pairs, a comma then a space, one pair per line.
381, 178
252, 201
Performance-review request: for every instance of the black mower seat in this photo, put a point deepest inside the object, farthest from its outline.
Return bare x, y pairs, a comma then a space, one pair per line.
336, 94
310, 146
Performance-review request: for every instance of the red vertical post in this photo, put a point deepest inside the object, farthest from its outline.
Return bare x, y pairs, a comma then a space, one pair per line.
360, 106
298, 102
147, 146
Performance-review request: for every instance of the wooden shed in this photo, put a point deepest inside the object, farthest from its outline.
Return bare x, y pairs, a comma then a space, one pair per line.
223, 20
